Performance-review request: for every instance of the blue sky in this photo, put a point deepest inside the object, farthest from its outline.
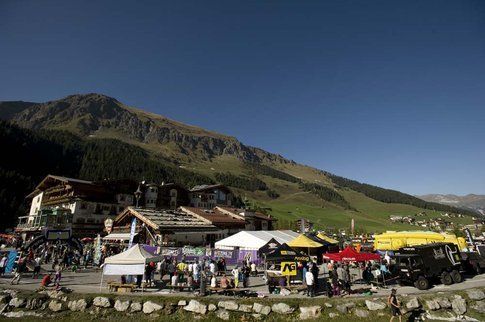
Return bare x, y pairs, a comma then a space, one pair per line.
390, 93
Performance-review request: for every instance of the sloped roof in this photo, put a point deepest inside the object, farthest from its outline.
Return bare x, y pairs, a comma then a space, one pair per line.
327, 239
205, 187
167, 220
135, 255
51, 177
255, 239
304, 242
238, 211
216, 217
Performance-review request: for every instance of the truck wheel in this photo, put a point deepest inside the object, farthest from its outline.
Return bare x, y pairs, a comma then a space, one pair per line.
456, 276
446, 278
422, 283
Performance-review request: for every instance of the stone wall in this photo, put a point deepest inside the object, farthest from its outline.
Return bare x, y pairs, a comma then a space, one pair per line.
459, 306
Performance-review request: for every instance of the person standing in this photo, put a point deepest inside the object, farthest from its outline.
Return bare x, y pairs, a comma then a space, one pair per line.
246, 272
314, 269
254, 271
213, 281
346, 280
310, 281
3, 265
203, 282
395, 305
36, 267
196, 269
335, 283
235, 274
212, 268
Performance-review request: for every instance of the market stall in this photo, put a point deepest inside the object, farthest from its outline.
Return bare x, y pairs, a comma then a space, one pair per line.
284, 261
307, 244
248, 243
330, 240
351, 255
129, 262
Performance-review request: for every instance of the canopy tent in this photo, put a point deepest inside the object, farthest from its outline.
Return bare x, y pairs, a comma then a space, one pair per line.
303, 241
327, 239
286, 253
351, 255
269, 247
118, 237
254, 240
129, 262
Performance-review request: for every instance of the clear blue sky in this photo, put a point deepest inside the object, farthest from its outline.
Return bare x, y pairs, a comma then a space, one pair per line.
387, 92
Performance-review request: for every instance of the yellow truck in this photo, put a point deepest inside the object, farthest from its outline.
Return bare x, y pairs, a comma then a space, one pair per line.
394, 240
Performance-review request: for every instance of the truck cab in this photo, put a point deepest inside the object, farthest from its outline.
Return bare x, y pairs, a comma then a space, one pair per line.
425, 264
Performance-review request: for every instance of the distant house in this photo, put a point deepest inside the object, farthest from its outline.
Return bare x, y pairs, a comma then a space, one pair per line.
209, 196
254, 220
83, 206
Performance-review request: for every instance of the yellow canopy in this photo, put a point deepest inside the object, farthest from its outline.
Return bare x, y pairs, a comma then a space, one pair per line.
326, 238
304, 242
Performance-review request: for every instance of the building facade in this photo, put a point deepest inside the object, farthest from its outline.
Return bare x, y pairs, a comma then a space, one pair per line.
89, 204
209, 196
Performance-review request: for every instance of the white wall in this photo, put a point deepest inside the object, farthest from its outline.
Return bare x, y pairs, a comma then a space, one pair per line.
35, 205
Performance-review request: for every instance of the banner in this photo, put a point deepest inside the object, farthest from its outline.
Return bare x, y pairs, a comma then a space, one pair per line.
193, 251
288, 268
173, 252
97, 250
222, 253
132, 232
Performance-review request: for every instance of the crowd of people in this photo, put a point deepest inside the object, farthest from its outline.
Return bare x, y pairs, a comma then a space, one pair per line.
197, 274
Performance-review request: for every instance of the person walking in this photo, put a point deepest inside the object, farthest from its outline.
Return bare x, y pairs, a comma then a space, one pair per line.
395, 306
310, 281
58, 276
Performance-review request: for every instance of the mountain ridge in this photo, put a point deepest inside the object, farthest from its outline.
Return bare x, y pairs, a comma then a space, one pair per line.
290, 189
96, 114
470, 201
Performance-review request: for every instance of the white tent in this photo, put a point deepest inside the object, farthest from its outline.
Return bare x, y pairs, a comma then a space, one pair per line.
129, 262
254, 240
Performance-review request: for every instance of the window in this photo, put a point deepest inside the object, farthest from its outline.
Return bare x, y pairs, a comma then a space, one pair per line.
80, 221
82, 205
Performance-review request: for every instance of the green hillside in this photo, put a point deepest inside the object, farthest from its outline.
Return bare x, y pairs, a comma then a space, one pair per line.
103, 138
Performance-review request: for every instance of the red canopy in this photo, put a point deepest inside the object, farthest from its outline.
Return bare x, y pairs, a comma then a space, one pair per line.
351, 255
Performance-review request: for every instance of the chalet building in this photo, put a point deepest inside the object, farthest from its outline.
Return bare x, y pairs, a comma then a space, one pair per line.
163, 196
254, 220
83, 206
209, 196
169, 227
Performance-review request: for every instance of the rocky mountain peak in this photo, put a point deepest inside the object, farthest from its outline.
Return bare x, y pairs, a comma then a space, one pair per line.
98, 115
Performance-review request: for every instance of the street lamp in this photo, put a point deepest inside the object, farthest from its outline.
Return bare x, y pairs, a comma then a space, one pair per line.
137, 195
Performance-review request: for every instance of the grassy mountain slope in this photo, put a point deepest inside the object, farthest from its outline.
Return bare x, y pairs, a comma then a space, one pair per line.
268, 180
